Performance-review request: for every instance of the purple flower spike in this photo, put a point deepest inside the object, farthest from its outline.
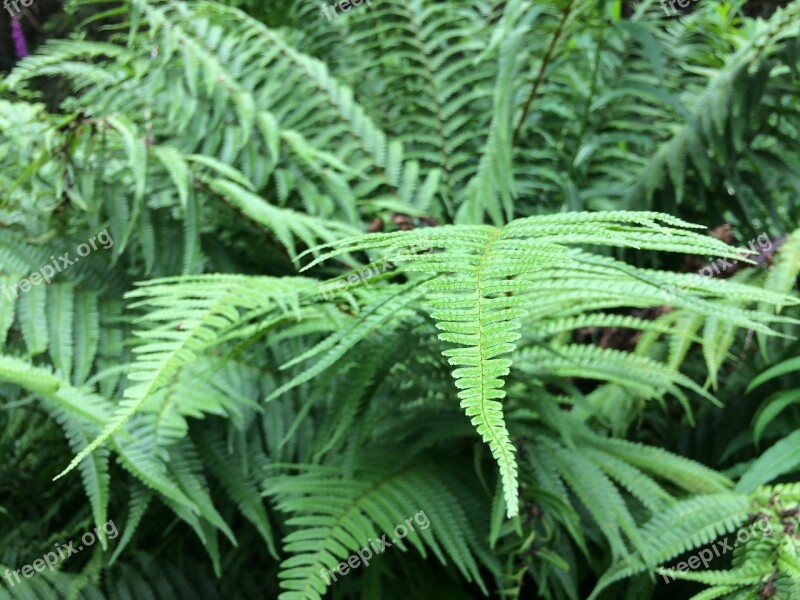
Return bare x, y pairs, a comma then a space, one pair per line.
20, 45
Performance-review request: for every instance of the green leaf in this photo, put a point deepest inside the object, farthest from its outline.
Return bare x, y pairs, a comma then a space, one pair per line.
781, 458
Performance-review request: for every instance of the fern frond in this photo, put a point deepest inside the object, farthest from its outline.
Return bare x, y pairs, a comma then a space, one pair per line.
205, 306
686, 524
488, 280
334, 519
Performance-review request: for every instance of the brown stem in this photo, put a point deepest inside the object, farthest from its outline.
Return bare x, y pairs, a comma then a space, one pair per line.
540, 76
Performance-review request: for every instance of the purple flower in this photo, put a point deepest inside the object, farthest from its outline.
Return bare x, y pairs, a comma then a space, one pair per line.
20, 45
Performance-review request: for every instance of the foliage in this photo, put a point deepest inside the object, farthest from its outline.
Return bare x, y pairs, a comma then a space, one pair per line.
527, 174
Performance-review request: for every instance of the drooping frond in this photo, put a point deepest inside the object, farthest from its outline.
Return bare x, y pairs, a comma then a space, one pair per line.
685, 525
205, 307
332, 519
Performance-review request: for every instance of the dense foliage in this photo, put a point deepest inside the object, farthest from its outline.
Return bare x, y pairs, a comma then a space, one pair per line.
275, 285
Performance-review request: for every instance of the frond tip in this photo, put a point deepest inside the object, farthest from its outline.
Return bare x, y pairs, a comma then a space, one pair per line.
484, 319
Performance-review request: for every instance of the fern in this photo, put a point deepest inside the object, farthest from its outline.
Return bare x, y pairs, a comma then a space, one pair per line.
337, 518
482, 306
457, 170
206, 308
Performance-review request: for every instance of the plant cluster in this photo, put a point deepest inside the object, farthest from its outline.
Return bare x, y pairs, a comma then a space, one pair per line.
535, 173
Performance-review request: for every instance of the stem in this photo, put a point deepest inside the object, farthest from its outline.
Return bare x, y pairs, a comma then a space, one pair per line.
540, 76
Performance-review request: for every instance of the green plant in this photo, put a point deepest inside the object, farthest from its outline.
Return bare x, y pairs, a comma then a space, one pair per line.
208, 391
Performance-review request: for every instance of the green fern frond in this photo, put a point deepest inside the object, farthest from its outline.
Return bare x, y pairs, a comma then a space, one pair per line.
334, 518
685, 525
204, 306
487, 278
